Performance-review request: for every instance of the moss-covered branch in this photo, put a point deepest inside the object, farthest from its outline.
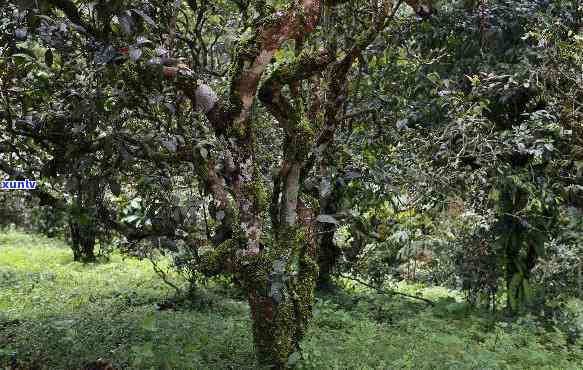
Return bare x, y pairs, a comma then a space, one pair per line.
298, 130
202, 96
304, 66
219, 260
254, 52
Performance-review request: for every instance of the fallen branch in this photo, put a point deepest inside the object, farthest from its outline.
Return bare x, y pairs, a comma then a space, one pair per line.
390, 292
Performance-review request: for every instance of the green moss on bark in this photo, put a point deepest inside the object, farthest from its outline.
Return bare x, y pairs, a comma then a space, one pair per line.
214, 262
281, 302
259, 190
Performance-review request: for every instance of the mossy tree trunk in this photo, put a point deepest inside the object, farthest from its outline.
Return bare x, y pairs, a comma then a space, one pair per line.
279, 270
281, 299
281, 295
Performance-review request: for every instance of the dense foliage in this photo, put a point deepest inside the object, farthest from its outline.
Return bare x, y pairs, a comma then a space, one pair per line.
289, 146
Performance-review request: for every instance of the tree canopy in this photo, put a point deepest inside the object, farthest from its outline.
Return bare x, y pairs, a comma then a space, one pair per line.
285, 144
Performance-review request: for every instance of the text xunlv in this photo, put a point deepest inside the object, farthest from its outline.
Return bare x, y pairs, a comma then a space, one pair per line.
18, 184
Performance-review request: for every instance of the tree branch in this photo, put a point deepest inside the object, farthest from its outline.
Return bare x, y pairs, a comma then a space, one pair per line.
304, 66
255, 53
72, 13
390, 292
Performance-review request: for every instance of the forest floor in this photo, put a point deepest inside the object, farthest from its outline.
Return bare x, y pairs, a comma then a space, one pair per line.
60, 314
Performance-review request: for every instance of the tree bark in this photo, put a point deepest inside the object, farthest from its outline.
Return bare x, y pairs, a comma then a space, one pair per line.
82, 241
82, 222
328, 252
327, 257
281, 307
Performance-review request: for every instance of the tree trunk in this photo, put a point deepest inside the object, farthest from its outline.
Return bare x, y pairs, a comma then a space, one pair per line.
512, 292
518, 271
327, 257
280, 285
276, 328
74, 229
328, 252
82, 221
82, 242
87, 242
580, 279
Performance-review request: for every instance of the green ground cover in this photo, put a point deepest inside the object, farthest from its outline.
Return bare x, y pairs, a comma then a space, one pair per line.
60, 314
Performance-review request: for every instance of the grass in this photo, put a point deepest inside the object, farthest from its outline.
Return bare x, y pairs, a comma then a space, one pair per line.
60, 314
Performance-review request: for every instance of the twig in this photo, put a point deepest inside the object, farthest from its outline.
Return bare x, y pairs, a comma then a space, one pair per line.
356, 114
162, 274
390, 292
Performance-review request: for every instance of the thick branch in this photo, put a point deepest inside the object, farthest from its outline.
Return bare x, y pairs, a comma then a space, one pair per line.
305, 66
203, 97
255, 53
72, 13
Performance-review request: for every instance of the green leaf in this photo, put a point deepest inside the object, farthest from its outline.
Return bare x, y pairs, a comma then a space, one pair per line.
131, 218
21, 58
293, 359
203, 152
149, 323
